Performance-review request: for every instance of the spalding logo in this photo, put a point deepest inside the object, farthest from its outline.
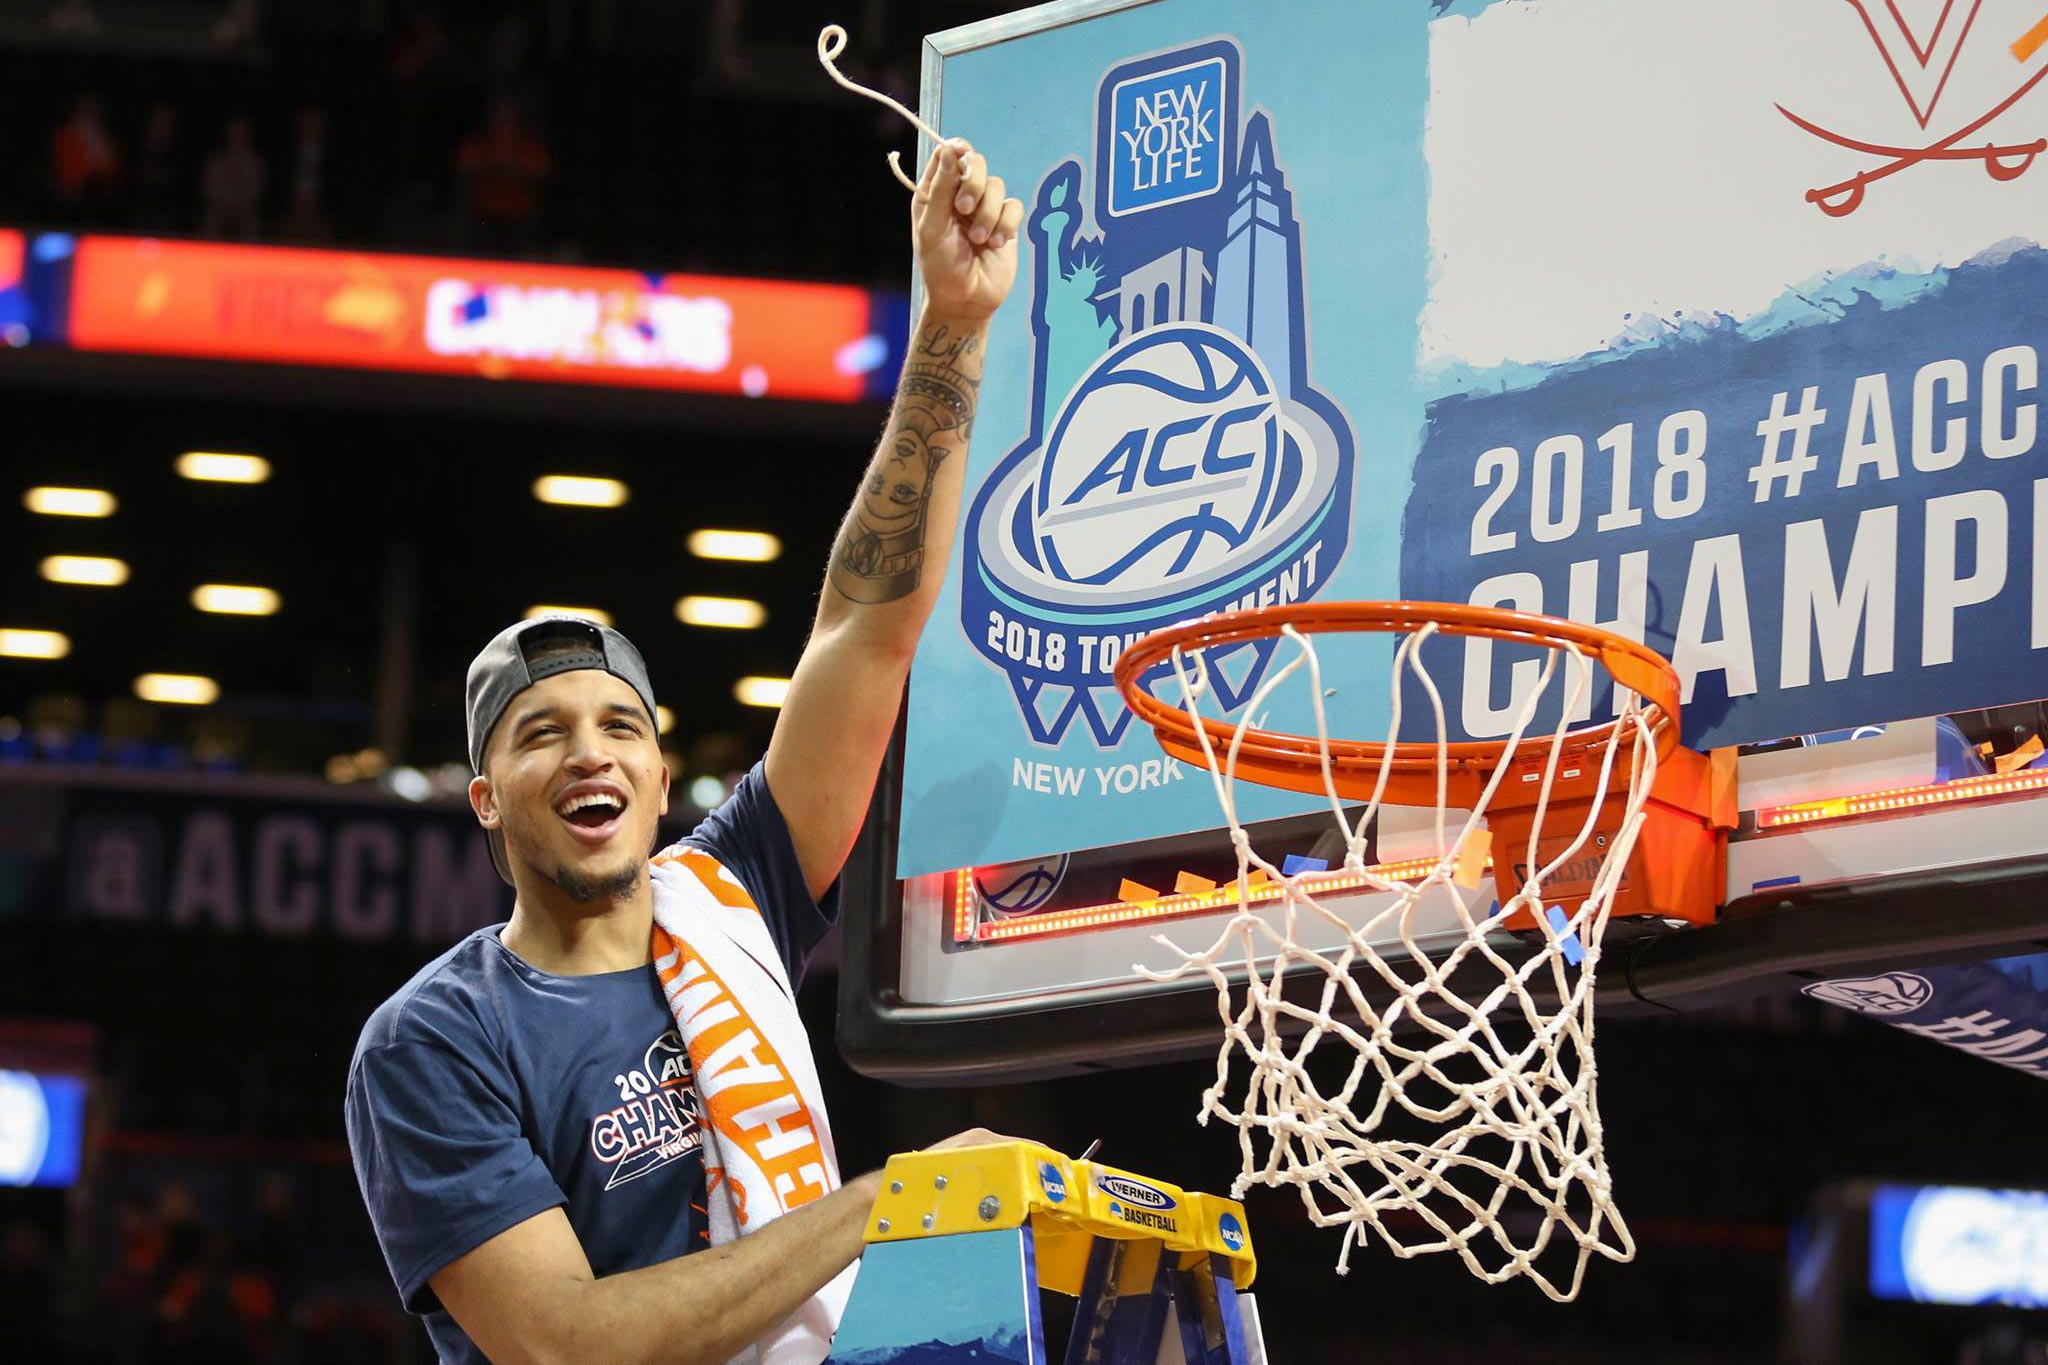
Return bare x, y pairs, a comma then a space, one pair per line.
1164, 462
1133, 1192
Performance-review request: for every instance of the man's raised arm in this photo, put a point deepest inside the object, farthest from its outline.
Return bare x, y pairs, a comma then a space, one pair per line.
890, 557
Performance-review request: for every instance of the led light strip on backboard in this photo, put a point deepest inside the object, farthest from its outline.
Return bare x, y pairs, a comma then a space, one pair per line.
966, 929
1903, 799
1224, 897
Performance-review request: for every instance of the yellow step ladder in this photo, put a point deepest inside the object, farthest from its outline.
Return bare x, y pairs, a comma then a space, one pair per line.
962, 1239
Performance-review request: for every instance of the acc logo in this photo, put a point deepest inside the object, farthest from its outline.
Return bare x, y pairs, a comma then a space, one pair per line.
1891, 993
1021, 888
1163, 463
1131, 1191
1231, 1231
667, 1064
1179, 459
1054, 1184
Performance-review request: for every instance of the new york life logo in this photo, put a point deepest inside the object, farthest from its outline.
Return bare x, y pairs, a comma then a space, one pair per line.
1166, 136
1179, 460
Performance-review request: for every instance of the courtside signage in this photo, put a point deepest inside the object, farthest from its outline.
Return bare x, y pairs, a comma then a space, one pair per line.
497, 320
17, 313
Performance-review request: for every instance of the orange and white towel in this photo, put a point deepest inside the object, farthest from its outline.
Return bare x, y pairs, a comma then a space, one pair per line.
768, 1147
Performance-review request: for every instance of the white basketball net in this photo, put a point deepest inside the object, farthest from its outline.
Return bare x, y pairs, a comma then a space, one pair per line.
1516, 1163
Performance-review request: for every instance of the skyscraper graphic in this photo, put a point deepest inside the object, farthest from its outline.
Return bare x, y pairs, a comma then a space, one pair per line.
1168, 288
1257, 268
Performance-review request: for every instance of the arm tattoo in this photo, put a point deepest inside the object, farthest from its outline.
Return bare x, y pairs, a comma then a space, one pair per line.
880, 554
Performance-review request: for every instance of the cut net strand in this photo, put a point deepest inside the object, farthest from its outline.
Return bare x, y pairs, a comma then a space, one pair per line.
832, 42
1514, 1162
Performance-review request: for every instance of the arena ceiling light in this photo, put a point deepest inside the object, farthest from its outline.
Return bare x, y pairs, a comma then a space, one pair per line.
726, 613
570, 490
755, 547
597, 614
50, 501
215, 466
664, 719
235, 599
177, 689
19, 643
95, 571
759, 691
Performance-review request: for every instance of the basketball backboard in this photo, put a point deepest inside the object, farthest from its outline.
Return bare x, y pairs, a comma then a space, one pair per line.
1325, 301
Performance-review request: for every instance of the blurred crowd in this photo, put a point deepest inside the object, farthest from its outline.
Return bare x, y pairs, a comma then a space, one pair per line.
232, 1275
552, 129
237, 181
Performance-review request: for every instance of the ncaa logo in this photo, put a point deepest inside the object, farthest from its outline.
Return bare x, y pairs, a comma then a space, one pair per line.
1178, 458
1052, 1182
1231, 1231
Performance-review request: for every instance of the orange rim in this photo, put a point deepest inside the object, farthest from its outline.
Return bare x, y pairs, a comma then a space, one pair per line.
1282, 759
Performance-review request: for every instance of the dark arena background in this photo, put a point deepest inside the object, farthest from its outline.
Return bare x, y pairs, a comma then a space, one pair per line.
252, 542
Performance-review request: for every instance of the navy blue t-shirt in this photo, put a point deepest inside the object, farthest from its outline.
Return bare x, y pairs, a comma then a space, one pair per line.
486, 1091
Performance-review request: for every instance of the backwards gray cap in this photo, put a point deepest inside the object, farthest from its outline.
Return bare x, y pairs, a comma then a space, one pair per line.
515, 660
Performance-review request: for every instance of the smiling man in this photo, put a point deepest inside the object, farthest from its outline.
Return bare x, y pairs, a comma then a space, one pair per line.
526, 1125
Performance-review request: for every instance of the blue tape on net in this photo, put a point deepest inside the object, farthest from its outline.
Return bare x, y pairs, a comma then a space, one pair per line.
1567, 941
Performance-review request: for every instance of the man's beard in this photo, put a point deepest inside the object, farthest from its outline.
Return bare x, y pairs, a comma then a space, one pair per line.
583, 887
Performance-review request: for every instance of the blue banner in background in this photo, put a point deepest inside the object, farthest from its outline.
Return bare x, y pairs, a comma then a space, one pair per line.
240, 857
42, 1128
1960, 1245
1997, 1010
1840, 519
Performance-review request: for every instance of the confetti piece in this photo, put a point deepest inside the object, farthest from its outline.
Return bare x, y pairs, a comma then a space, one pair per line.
1470, 867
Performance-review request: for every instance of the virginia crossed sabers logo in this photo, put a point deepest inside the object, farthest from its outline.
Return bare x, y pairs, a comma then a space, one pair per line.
1921, 69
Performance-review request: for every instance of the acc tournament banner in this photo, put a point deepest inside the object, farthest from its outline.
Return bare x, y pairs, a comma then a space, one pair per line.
1455, 300
225, 857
